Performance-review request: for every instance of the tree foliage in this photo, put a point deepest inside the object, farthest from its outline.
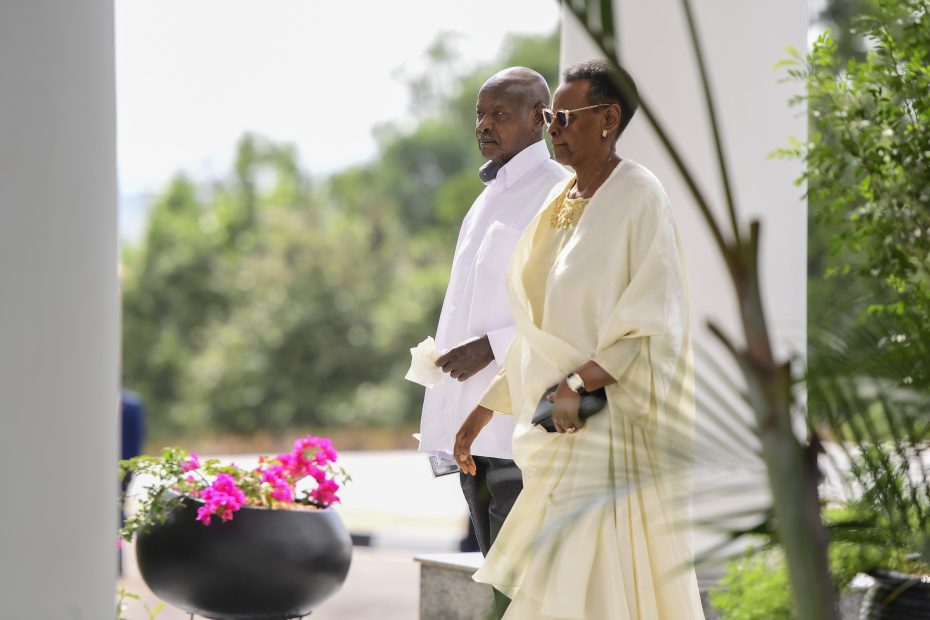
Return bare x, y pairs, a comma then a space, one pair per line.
867, 161
272, 299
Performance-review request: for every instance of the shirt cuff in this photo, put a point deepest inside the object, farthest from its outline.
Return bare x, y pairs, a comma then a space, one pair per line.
617, 358
497, 396
500, 341
627, 361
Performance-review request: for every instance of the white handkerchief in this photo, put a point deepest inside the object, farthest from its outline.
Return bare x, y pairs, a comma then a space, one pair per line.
423, 369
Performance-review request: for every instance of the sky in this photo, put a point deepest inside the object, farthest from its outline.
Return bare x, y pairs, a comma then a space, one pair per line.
194, 75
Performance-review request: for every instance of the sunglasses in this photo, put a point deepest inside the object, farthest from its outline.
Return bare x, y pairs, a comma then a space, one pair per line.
563, 116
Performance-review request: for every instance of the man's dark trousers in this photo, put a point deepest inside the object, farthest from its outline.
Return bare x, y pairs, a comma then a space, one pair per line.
490, 495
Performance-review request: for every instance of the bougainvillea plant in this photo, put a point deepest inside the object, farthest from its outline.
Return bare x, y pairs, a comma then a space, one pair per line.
223, 489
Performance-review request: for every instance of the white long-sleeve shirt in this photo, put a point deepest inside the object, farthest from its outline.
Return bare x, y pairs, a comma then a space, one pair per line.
476, 298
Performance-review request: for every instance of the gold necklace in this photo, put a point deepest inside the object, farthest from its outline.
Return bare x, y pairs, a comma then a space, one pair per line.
597, 175
568, 211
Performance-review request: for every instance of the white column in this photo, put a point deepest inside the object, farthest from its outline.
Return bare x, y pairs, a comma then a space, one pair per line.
741, 42
59, 310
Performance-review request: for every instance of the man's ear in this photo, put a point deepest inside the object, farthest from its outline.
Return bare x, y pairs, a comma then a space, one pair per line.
538, 115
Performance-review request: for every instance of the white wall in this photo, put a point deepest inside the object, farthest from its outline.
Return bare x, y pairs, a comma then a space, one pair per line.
58, 310
742, 41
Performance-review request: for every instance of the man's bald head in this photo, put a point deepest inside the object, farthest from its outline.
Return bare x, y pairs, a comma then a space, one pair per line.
526, 85
509, 113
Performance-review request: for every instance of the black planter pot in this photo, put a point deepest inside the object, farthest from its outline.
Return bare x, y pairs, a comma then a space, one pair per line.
896, 596
261, 565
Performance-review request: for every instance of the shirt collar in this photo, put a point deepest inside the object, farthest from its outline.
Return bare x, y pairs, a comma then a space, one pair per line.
522, 162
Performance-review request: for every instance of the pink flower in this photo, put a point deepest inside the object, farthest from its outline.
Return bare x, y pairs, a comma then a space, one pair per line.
271, 473
191, 463
278, 477
289, 462
308, 455
272, 482
193, 491
325, 493
222, 498
282, 493
203, 515
282, 487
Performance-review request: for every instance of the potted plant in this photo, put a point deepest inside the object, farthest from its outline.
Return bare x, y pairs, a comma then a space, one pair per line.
885, 533
231, 543
862, 541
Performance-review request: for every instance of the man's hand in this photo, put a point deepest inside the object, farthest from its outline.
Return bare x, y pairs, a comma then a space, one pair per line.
476, 420
466, 359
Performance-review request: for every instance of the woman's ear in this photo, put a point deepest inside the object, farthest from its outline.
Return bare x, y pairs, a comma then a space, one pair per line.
612, 118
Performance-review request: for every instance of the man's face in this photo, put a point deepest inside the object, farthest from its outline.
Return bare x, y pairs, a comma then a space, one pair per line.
505, 122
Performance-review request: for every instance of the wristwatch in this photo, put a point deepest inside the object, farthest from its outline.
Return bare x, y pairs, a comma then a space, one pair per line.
575, 382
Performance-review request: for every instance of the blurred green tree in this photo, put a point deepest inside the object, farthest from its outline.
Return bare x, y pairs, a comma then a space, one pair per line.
271, 300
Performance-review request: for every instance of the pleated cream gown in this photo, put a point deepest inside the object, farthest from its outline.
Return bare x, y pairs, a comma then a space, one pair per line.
596, 533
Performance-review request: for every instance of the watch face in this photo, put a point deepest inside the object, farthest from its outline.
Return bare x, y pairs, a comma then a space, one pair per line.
575, 382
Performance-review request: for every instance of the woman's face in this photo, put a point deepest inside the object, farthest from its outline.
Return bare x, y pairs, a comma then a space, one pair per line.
582, 137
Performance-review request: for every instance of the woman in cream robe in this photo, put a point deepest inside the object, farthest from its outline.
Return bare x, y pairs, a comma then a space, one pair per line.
599, 290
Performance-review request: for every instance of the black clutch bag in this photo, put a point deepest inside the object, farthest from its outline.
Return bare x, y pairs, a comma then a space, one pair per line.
590, 403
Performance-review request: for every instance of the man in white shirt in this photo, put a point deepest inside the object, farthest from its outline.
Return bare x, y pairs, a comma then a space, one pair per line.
475, 326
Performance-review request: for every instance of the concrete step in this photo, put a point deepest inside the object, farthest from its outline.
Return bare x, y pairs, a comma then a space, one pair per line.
447, 591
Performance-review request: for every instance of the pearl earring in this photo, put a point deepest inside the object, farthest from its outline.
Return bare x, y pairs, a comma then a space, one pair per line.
604, 134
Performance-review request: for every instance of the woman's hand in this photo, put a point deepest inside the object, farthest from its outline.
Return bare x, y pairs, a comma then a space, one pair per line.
565, 400
476, 420
565, 416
